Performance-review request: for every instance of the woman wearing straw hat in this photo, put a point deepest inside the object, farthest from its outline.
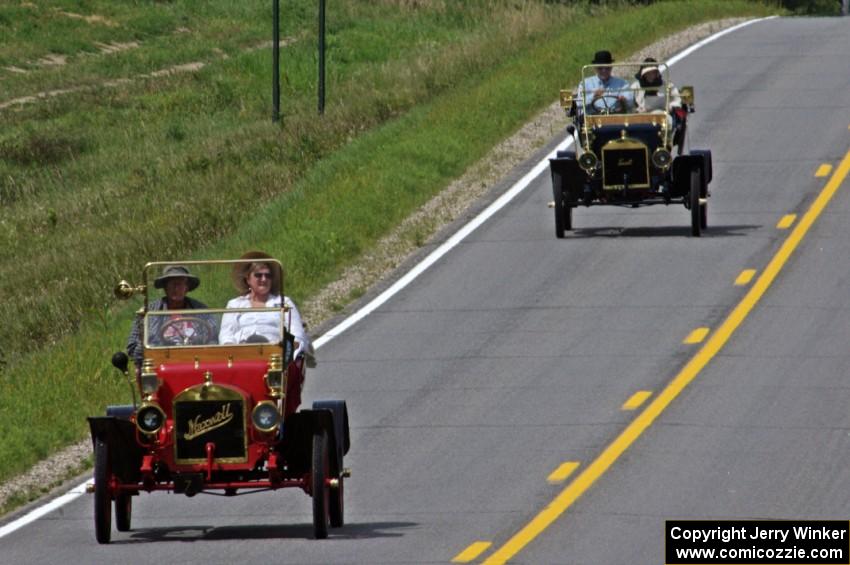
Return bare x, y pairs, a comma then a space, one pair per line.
258, 283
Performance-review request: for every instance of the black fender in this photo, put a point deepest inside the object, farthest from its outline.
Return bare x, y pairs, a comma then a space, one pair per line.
683, 165
706, 168
567, 177
339, 411
330, 416
119, 434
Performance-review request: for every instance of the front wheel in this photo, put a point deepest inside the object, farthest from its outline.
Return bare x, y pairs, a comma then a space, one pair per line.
102, 493
693, 195
319, 490
563, 216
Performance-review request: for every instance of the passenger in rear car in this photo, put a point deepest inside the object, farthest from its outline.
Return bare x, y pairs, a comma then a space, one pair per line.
652, 93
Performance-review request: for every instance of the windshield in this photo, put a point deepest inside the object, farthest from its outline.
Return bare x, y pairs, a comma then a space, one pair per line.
214, 303
205, 327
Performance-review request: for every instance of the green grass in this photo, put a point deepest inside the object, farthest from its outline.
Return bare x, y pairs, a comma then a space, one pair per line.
96, 182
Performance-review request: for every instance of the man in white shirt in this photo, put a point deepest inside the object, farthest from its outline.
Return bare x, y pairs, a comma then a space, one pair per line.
603, 93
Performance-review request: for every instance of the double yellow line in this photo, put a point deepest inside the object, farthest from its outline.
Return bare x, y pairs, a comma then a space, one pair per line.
597, 468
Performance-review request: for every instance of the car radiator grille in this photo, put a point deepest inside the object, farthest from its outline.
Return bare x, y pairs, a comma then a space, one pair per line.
625, 168
221, 422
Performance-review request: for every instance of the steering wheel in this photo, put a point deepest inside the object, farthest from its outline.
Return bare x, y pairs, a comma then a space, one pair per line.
615, 107
185, 330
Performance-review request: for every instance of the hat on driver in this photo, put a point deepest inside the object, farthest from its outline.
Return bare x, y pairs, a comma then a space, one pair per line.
174, 272
602, 58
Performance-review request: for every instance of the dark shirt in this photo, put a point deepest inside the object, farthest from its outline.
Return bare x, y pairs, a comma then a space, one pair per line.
135, 347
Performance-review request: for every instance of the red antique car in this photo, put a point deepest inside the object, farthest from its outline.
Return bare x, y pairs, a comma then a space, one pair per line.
215, 416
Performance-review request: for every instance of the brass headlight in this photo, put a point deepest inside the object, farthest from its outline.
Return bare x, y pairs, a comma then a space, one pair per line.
661, 158
265, 416
587, 161
150, 418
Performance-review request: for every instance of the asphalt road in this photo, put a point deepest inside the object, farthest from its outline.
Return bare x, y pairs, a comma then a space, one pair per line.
515, 353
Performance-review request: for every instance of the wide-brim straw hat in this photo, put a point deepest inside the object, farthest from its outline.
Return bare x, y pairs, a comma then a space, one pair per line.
241, 270
176, 272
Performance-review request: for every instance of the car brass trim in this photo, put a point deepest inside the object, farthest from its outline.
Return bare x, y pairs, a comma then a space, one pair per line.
145, 406
686, 93
212, 392
230, 353
626, 119
276, 409
610, 150
125, 290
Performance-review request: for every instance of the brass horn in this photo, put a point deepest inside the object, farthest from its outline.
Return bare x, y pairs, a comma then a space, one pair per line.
125, 290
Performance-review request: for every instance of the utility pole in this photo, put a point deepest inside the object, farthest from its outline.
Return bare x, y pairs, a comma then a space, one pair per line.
322, 56
275, 60
845, 7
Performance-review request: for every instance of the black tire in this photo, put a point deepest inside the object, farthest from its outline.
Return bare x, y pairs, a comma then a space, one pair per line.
559, 217
123, 512
337, 504
563, 216
703, 210
320, 490
102, 494
693, 195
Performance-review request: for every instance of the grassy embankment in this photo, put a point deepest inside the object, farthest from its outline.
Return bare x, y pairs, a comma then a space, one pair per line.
96, 181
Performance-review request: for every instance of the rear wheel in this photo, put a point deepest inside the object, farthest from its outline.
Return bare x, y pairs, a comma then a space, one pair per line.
102, 493
319, 476
693, 196
123, 512
703, 210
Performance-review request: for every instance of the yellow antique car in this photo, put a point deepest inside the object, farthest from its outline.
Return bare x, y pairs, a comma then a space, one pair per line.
629, 147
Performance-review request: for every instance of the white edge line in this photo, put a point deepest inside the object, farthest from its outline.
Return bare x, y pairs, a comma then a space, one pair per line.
682, 54
435, 255
37, 513
400, 284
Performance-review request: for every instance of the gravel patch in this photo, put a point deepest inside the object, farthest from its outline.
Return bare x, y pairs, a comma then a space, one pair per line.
391, 251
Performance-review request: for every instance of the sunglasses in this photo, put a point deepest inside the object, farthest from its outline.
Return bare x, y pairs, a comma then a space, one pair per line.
262, 275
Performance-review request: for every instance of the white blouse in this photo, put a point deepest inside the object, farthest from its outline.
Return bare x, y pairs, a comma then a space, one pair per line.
238, 327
